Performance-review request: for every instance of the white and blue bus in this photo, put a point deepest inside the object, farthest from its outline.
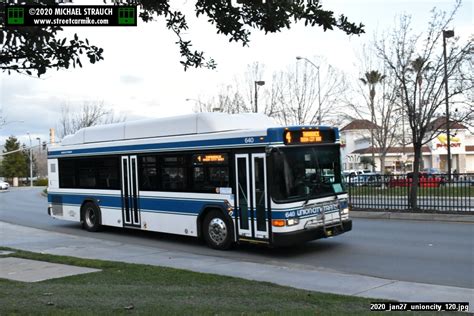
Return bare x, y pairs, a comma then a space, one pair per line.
228, 178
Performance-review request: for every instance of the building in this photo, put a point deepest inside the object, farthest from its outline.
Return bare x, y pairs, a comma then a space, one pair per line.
356, 145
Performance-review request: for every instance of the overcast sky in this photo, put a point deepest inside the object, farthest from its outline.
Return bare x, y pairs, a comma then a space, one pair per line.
141, 75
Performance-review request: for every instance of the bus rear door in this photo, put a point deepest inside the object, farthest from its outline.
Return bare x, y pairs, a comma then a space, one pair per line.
130, 205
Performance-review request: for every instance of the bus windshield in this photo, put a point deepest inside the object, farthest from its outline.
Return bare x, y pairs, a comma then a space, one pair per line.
303, 173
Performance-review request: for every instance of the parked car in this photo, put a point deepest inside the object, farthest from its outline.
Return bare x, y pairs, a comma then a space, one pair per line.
432, 170
4, 185
426, 180
350, 176
373, 179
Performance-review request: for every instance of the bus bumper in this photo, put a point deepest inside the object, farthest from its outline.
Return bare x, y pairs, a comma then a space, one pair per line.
302, 236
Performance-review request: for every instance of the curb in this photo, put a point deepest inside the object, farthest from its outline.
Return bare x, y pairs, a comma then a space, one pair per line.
413, 216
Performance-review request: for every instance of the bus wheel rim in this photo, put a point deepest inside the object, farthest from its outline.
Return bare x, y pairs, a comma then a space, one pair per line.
90, 217
217, 230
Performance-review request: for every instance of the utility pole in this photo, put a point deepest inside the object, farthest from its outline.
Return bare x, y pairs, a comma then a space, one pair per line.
31, 161
256, 84
447, 34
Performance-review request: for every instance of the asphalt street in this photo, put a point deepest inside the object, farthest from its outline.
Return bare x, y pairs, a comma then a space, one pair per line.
427, 252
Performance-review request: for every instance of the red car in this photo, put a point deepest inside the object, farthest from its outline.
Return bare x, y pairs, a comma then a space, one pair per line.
426, 180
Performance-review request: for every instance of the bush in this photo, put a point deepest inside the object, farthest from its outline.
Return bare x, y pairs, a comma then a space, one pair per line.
41, 182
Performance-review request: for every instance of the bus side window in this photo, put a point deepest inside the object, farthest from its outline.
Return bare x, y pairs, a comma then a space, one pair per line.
148, 171
210, 171
173, 173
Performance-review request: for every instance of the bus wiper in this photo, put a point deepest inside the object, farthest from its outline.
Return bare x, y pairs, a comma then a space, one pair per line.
308, 195
307, 198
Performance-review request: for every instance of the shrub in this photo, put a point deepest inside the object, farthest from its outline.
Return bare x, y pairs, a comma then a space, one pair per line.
41, 182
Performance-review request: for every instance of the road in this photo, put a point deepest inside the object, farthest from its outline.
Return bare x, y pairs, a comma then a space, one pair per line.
427, 252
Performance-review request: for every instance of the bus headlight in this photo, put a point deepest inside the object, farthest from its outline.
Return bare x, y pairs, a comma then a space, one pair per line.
345, 211
292, 221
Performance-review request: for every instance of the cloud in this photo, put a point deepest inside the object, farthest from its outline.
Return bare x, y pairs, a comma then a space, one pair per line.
130, 79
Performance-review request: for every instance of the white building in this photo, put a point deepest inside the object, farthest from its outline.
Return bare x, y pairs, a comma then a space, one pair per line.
356, 144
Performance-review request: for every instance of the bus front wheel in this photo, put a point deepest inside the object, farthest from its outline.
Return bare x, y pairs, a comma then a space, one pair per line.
217, 230
91, 217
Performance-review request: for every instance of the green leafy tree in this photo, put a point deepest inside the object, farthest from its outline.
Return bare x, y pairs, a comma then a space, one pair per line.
38, 49
14, 163
366, 161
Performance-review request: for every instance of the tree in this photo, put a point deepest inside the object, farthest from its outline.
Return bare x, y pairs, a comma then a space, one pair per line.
366, 161
305, 101
383, 112
38, 49
372, 78
14, 164
290, 96
417, 64
228, 100
90, 114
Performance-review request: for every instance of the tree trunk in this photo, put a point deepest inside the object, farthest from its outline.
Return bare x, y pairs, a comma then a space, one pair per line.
413, 194
382, 163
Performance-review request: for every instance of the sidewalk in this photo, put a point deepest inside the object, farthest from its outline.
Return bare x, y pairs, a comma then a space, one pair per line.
468, 218
36, 240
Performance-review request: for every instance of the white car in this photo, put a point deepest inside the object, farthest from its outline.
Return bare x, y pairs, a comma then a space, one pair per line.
4, 185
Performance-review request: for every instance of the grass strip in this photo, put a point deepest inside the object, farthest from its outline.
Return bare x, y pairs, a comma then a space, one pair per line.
122, 288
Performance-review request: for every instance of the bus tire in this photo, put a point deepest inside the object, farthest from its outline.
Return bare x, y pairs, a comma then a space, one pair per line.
217, 230
91, 217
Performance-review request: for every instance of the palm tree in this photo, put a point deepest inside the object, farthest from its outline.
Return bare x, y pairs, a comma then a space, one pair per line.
372, 78
419, 66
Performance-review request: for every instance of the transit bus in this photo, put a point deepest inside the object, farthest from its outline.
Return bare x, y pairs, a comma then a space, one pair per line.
226, 178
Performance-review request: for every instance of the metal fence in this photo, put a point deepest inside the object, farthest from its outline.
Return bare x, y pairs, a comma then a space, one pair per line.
436, 193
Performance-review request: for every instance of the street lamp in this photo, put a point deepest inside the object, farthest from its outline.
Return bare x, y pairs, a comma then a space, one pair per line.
319, 86
447, 34
31, 160
257, 83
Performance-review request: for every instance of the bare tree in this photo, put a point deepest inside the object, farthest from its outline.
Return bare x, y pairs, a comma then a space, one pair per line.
272, 96
288, 96
401, 50
90, 114
228, 100
239, 96
305, 101
387, 119
298, 95
254, 72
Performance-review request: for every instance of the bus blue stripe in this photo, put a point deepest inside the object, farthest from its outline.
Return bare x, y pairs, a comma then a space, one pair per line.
147, 204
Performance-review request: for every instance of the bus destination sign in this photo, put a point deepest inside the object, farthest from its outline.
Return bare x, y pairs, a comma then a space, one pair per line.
210, 158
308, 136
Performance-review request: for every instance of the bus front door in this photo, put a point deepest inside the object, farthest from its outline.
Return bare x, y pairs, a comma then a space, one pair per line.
251, 196
130, 207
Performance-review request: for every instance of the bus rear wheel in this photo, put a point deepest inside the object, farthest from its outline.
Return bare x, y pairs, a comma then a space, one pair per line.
217, 230
91, 217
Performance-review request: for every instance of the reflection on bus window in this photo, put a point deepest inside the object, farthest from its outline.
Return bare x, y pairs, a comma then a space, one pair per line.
303, 173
